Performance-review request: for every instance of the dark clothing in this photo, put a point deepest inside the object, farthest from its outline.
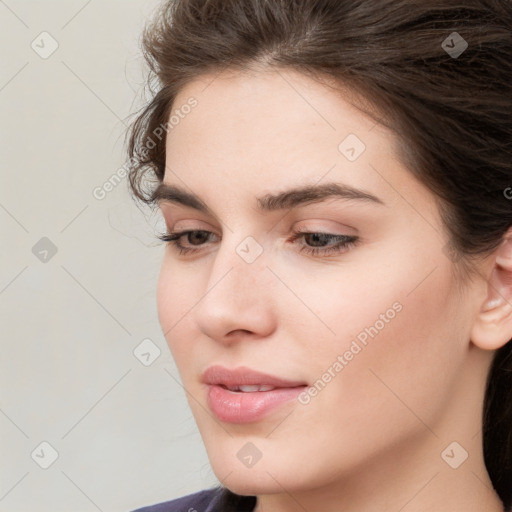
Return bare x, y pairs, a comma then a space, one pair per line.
217, 499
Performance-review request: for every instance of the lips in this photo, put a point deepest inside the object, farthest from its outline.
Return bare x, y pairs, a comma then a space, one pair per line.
244, 377
243, 395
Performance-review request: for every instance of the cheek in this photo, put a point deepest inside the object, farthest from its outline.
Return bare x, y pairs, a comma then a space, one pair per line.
334, 306
406, 354
394, 313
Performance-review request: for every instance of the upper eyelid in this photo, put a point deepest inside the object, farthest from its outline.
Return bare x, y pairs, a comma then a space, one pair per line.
166, 215
301, 229
339, 228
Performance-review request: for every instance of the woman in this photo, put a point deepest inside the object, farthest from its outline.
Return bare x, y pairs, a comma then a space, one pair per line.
335, 178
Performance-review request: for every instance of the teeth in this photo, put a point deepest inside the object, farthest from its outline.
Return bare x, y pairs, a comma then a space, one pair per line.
266, 388
252, 389
249, 389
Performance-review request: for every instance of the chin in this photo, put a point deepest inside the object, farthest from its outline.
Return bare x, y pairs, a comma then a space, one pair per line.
268, 476
242, 479
251, 484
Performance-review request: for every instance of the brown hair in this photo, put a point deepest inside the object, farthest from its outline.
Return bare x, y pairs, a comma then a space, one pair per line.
452, 112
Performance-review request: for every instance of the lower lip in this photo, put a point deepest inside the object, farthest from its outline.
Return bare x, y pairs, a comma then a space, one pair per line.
240, 407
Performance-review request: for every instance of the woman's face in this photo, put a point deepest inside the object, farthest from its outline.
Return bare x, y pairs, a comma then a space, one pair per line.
375, 332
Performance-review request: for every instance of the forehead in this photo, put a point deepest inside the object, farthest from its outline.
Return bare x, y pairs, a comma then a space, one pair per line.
273, 102
256, 132
273, 118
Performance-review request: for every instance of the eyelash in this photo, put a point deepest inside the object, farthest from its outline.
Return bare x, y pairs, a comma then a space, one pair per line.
345, 243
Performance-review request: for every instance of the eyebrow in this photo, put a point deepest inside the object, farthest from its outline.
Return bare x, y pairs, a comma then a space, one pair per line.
292, 198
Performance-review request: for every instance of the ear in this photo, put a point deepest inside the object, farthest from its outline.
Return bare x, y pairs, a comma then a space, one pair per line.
492, 328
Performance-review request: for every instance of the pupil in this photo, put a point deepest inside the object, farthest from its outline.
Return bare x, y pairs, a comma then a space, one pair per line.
318, 237
198, 236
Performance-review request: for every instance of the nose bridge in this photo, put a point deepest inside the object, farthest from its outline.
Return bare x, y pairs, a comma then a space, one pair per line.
240, 268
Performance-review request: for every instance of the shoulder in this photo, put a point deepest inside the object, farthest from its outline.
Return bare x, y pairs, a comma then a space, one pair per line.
202, 501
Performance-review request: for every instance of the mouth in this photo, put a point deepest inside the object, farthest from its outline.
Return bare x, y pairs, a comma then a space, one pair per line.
245, 379
249, 389
243, 395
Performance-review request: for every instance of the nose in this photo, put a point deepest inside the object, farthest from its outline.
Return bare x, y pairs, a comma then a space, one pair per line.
239, 300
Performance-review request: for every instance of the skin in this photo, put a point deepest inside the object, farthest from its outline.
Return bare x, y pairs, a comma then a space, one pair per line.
372, 439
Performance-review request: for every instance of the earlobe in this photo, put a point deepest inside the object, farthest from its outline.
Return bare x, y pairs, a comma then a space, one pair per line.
492, 328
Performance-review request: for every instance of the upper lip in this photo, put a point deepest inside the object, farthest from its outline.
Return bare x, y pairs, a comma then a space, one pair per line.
244, 376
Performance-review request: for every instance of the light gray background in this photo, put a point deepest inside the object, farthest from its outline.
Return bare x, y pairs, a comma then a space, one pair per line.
70, 322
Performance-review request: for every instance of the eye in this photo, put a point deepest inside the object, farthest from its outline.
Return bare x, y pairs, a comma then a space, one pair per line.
174, 237
336, 244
